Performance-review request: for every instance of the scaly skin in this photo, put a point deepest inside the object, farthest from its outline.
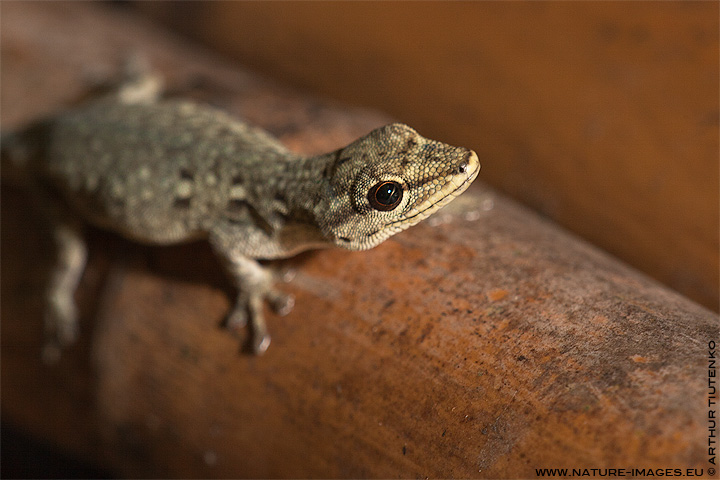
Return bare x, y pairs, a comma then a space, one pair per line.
163, 172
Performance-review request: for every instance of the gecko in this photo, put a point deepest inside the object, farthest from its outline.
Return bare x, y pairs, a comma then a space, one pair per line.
163, 171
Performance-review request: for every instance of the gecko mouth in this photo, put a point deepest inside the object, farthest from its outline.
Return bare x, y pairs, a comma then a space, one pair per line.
444, 201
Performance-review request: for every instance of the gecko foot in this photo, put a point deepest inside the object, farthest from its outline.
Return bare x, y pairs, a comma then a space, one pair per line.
248, 311
61, 327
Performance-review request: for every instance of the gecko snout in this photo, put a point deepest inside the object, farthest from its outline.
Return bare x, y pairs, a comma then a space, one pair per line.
469, 164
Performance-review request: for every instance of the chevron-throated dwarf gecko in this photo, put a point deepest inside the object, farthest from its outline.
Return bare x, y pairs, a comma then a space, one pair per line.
169, 171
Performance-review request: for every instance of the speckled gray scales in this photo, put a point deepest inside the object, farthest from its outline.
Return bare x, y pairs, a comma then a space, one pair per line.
164, 172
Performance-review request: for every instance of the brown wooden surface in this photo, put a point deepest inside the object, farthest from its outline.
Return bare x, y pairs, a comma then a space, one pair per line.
485, 344
601, 115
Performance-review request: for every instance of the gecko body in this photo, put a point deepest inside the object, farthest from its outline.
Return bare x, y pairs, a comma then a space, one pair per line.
170, 171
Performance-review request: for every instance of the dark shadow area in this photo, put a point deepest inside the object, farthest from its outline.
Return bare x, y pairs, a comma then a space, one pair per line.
25, 457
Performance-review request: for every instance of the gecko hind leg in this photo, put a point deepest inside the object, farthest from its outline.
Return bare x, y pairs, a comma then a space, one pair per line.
60, 314
140, 85
61, 317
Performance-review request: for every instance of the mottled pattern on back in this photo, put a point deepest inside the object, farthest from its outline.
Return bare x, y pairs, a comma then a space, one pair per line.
158, 173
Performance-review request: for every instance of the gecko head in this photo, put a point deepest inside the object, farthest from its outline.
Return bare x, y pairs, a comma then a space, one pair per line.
389, 180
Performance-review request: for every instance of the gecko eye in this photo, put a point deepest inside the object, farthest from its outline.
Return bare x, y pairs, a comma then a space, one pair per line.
385, 196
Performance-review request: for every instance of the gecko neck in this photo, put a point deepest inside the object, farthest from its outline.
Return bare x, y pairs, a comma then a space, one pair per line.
307, 191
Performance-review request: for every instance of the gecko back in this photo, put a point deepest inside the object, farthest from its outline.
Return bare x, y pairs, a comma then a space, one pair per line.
154, 172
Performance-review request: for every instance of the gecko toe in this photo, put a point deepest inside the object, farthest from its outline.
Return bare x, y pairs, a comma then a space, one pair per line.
260, 343
237, 319
280, 302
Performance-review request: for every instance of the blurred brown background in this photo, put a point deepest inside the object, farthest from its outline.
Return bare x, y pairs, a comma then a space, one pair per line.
601, 115
536, 350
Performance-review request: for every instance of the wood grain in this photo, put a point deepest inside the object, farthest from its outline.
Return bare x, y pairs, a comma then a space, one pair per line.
486, 343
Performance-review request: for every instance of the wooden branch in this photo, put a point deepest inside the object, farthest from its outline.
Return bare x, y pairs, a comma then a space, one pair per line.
486, 343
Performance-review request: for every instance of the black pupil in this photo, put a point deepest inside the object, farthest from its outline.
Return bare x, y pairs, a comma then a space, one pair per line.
385, 196
388, 193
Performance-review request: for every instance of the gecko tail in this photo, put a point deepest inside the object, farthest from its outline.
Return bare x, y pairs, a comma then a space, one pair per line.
19, 151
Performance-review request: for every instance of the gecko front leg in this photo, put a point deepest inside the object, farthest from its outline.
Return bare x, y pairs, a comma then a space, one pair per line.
255, 285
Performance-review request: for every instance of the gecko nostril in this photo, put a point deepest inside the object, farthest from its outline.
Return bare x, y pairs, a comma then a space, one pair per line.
462, 167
